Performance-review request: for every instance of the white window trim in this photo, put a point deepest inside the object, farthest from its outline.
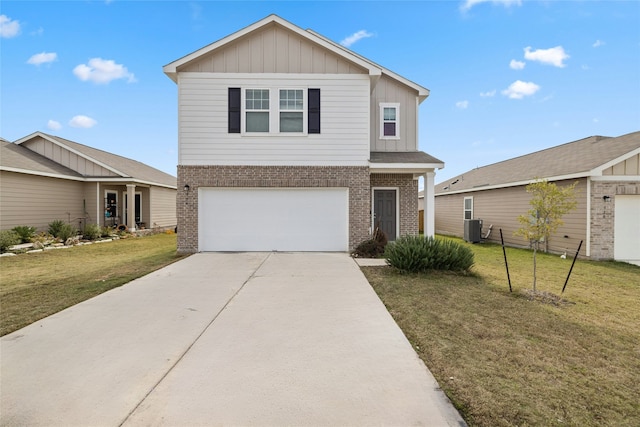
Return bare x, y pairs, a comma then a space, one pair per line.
243, 117
274, 111
304, 111
373, 221
464, 207
395, 105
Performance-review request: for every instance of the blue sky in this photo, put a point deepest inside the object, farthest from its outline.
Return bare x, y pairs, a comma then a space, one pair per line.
507, 77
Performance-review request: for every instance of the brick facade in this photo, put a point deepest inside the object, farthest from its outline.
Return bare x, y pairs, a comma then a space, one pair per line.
355, 178
408, 193
603, 214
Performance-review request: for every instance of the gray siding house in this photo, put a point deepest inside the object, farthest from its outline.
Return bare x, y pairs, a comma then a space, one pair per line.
45, 178
607, 217
289, 141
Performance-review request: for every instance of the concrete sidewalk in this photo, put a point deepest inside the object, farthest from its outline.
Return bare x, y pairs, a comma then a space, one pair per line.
223, 339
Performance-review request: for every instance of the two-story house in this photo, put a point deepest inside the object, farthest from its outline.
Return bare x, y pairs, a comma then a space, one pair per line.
288, 141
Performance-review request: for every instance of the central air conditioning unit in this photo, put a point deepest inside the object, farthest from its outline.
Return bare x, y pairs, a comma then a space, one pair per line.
473, 230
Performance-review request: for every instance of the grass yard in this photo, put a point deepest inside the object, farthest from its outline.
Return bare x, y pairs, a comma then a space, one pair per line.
33, 286
504, 359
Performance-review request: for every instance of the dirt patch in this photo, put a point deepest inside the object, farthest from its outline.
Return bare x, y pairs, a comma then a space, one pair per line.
546, 298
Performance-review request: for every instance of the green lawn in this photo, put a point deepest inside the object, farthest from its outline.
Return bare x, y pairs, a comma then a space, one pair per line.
504, 359
33, 286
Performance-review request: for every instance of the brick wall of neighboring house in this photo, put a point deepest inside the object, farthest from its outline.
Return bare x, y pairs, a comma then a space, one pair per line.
354, 177
603, 214
408, 190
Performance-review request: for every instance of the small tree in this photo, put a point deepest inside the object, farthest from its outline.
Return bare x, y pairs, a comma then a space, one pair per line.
549, 203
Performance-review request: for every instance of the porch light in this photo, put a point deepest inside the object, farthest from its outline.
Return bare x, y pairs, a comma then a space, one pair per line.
186, 187
606, 198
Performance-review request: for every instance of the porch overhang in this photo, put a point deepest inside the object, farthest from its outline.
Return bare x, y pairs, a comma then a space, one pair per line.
413, 162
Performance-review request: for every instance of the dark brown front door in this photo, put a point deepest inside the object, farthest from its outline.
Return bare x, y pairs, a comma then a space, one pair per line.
384, 212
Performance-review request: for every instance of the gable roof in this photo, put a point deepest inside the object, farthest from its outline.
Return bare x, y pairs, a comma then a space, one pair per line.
123, 167
374, 70
14, 156
581, 158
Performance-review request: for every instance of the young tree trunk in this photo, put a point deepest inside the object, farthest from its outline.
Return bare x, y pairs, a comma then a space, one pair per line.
535, 249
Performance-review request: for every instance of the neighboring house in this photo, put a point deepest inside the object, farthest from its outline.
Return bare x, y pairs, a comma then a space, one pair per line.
288, 141
607, 217
45, 178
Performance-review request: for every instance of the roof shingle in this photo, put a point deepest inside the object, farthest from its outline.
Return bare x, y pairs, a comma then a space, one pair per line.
573, 158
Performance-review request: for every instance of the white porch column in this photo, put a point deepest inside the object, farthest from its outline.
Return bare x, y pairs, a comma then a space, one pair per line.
429, 221
131, 207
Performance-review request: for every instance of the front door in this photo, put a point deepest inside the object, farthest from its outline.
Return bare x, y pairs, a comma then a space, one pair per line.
384, 212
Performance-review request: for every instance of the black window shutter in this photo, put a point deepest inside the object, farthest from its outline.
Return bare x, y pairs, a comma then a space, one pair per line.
313, 115
234, 110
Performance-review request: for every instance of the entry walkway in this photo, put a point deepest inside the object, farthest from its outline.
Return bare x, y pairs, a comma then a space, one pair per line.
223, 339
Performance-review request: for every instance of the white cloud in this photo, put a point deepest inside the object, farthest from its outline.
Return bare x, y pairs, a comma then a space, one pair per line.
553, 56
463, 105
362, 34
520, 89
468, 4
42, 58
598, 43
54, 125
103, 71
516, 65
488, 94
9, 27
38, 32
82, 122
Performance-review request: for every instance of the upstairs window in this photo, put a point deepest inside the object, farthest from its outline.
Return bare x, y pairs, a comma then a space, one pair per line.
291, 110
257, 110
389, 121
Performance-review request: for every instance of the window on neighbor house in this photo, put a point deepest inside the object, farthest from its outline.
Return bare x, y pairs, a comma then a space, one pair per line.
389, 120
468, 208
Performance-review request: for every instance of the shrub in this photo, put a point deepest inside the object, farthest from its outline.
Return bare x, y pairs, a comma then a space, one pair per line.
25, 233
66, 231
55, 227
92, 231
372, 248
418, 254
106, 232
8, 238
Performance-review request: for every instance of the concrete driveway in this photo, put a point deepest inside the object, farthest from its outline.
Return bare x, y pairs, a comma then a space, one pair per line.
223, 339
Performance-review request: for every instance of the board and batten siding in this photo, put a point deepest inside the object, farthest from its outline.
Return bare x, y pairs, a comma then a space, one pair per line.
66, 158
273, 49
501, 207
390, 90
163, 207
36, 200
628, 167
203, 127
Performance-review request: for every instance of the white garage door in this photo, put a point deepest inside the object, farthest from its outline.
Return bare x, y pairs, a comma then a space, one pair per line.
626, 245
268, 219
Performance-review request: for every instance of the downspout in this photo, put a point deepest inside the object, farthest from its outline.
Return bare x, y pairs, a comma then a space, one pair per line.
587, 250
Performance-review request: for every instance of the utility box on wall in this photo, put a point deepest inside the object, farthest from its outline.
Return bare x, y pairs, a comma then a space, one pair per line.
472, 230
